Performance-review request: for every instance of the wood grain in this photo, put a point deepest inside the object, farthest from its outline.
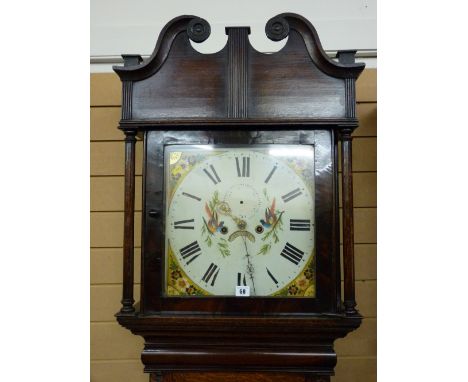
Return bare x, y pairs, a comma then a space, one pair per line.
348, 369
106, 88
362, 342
107, 158
104, 122
105, 300
229, 377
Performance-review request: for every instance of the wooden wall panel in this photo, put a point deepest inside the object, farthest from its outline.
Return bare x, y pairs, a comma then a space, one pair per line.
107, 158
366, 86
364, 154
104, 122
106, 89
118, 371
105, 301
124, 344
114, 351
367, 115
365, 225
356, 369
366, 297
365, 222
107, 229
365, 261
107, 193
362, 342
107, 265
364, 188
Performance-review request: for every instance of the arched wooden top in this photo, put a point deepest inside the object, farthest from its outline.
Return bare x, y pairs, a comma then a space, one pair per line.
278, 28
238, 83
181, 24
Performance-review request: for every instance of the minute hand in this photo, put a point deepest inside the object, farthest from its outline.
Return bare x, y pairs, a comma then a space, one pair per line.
224, 209
250, 267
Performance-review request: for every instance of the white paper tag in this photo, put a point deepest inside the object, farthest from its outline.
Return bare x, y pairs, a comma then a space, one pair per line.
242, 291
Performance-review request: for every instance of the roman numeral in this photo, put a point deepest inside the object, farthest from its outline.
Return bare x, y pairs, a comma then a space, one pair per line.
270, 174
241, 280
299, 225
191, 196
210, 272
190, 252
291, 195
291, 253
272, 277
213, 176
245, 173
180, 224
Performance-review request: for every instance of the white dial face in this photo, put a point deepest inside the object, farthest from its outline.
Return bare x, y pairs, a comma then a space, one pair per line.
240, 217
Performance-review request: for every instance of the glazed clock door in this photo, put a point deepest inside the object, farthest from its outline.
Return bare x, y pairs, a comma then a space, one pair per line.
240, 217
235, 226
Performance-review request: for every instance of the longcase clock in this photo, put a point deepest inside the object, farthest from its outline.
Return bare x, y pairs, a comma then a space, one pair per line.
241, 269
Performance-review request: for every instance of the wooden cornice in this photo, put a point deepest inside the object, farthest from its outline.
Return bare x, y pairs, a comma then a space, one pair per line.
279, 28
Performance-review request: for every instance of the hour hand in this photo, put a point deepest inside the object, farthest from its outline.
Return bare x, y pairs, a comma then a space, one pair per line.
224, 209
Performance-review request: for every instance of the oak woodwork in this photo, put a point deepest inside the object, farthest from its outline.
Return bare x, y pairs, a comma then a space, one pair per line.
240, 96
348, 221
129, 216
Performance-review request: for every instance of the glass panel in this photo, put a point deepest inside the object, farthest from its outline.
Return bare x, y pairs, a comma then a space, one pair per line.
240, 216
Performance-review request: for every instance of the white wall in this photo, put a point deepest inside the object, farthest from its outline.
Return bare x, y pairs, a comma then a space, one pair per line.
126, 26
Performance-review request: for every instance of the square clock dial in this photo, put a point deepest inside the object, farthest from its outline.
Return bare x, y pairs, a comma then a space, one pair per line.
240, 216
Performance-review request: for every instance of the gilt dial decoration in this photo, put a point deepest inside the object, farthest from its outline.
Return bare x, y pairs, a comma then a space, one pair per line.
240, 216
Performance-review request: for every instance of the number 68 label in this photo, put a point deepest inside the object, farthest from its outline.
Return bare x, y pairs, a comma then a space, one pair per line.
242, 291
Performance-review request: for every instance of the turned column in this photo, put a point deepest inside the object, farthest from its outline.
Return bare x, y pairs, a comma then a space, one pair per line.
129, 217
348, 221
129, 196
348, 57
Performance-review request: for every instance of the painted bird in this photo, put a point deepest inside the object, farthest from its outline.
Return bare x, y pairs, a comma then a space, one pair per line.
270, 216
212, 224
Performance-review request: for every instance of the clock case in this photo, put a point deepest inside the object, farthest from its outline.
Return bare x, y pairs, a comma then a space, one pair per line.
239, 96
